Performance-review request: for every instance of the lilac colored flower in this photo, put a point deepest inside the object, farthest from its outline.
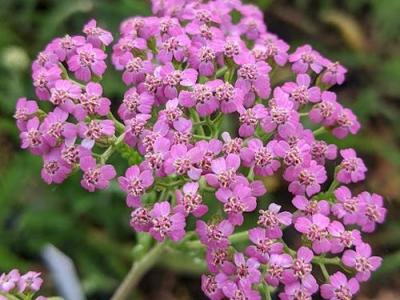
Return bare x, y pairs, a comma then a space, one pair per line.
272, 219
300, 91
97, 36
86, 61
136, 70
32, 138
246, 270
174, 79
277, 265
228, 96
210, 149
281, 112
326, 111
235, 291
134, 128
202, 97
30, 281
157, 157
304, 58
203, 59
371, 211
65, 47
334, 73
134, 103
320, 151
294, 155
362, 261
236, 202
262, 158
272, 48
25, 109
342, 238
94, 131
210, 287
316, 230
346, 123
263, 246
231, 145
296, 291
305, 179
140, 220
294, 133
339, 287
95, 176
56, 128
249, 119
346, 207
64, 94
134, 183
224, 171
352, 168
190, 200
9, 281
173, 49
123, 49
214, 236
172, 112
301, 270
55, 170
91, 102
311, 207
218, 260
44, 80
165, 223
182, 161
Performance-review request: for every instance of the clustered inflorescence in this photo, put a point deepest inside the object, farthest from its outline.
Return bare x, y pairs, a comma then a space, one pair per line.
191, 69
14, 286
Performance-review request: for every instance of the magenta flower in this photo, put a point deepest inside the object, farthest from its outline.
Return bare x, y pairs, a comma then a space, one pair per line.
174, 79
86, 61
55, 128
134, 103
203, 59
352, 168
190, 201
235, 291
334, 73
134, 127
140, 220
30, 282
253, 80
281, 112
202, 97
64, 94
136, 70
305, 179
218, 260
311, 207
236, 202
326, 111
94, 131
316, 230
228, 96
371, 211
173, 48
182, 161
91, 102
339, 287
224, 171
246, 270
275, 48
262, 158
123, 49
214, 236
301, 270
210, 149
9, 281
295, 291
32, 138
346, 122
210, 287
165, 223
320, 151
44, 80
65, 47
55, 170
304, 58
362, 261
300, 91
263, 246
97, 36
272, 219
135, 183
249, 119
346, 207
95, 176
294, 155
277, 265
25, 110
342, 238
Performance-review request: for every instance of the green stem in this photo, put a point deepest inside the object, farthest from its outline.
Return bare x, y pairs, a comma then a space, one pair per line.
137, 271
267, 292
110, 150
118, 125
234, 238
319, 131
324, 271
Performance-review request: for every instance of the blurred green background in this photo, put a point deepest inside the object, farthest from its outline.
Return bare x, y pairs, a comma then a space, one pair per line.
93, 229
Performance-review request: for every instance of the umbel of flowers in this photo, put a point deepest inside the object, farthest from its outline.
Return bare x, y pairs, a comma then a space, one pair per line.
189, 70
14, 286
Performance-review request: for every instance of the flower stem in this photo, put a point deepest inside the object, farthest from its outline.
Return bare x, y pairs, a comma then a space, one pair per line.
234, 238
319, 131
137, 271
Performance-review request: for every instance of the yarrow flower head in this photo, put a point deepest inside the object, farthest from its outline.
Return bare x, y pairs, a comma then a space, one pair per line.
204, 127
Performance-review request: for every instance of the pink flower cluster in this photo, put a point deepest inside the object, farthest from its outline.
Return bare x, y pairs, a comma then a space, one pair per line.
189, 70
13, 283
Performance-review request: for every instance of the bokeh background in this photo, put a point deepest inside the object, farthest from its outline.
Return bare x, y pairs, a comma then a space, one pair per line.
92, 229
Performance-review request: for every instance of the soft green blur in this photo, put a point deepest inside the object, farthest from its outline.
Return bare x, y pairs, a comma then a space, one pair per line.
93, 228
